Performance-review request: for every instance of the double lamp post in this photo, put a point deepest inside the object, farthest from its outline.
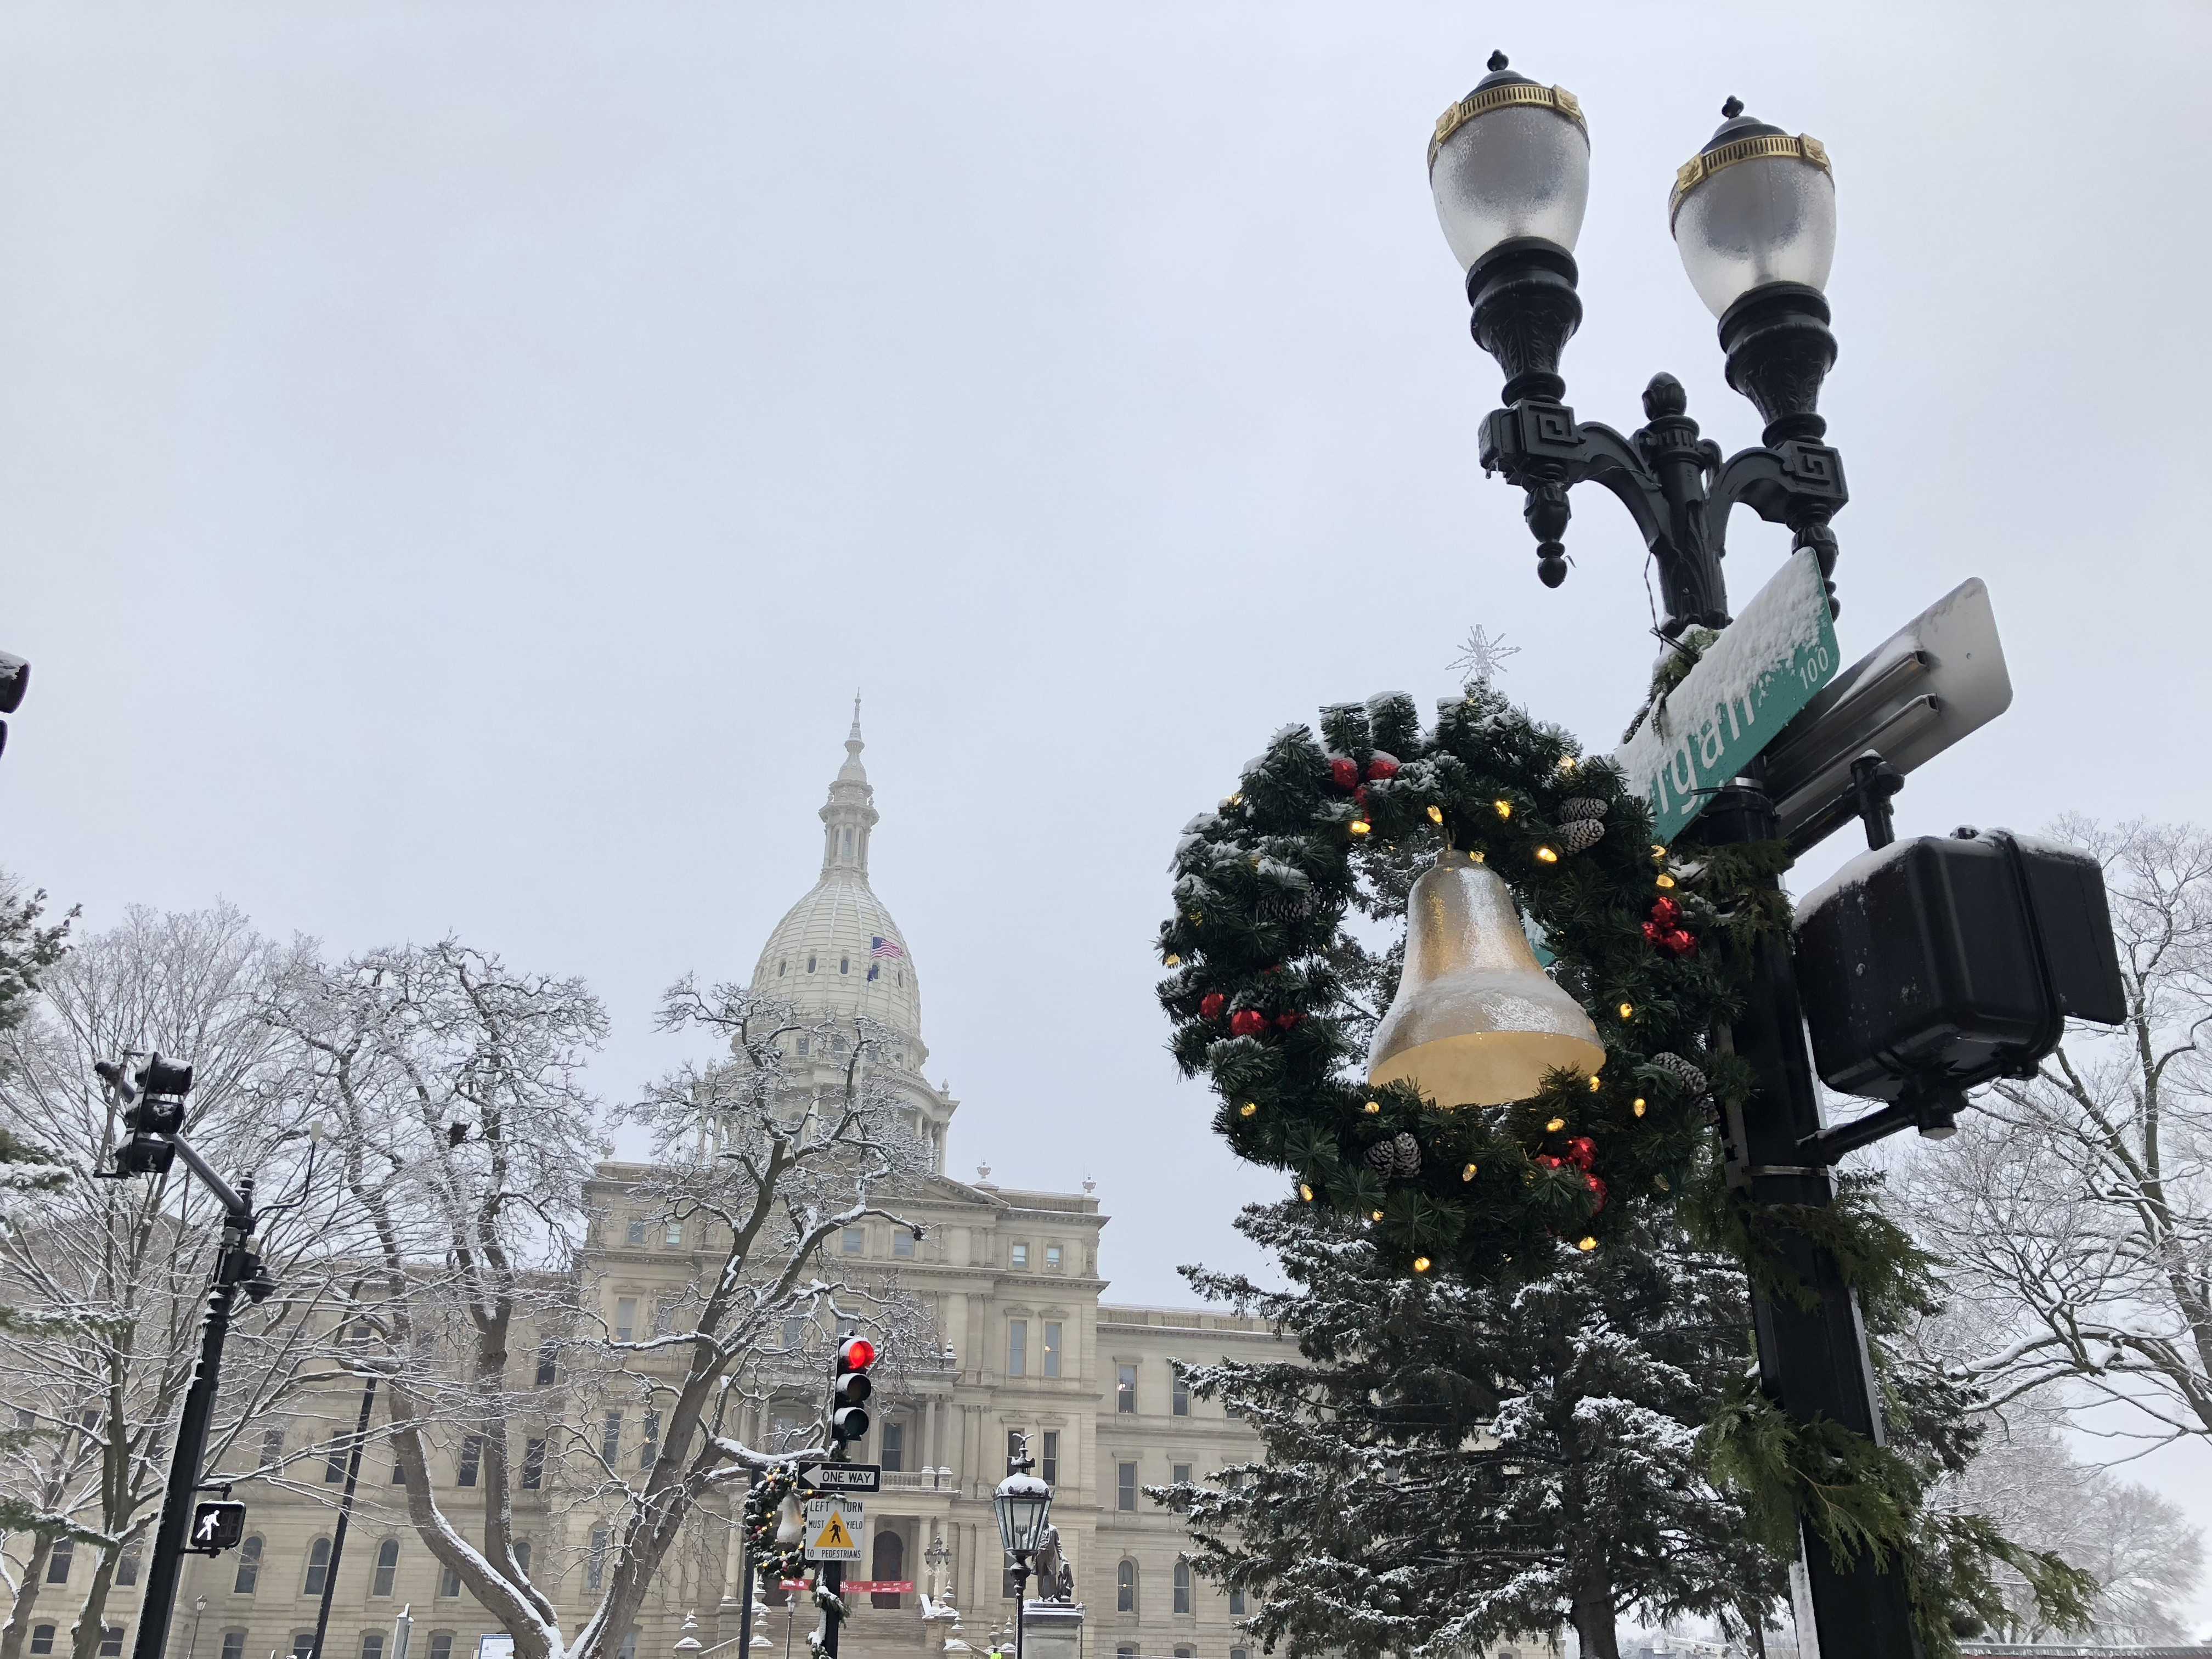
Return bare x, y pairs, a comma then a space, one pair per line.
1754, 217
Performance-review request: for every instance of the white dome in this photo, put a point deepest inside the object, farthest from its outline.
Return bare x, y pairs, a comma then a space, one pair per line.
837, 953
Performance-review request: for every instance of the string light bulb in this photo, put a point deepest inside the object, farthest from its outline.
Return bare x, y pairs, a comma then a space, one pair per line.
1545, 856
1586, 1243
1639, 1107
1248, 1108
1566, 763
1305, 1192
1435, 815
1666, 880
1467, 1174
1595, 1084
1503, 808
1555, 1126
1420, 1264
1658, 852
1174, 961
1628, 1011
1375, 1215
1360, 826
1373, 1108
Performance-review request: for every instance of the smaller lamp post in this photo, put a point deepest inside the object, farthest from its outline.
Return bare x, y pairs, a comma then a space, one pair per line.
936, 1556
1023, 1503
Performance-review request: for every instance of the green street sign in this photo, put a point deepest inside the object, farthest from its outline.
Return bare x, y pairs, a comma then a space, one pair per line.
1766, 665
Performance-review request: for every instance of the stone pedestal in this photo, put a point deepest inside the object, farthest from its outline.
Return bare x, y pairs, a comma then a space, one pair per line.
1052, 1630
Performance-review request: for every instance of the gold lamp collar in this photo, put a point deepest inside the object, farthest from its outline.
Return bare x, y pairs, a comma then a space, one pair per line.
1753, 147
1483, 100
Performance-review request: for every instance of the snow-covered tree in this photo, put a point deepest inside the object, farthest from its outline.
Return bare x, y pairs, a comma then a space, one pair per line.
2076, 1207
106, 1278
453, 1086
1453, 1462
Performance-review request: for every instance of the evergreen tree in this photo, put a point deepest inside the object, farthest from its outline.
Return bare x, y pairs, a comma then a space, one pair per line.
1452, 1462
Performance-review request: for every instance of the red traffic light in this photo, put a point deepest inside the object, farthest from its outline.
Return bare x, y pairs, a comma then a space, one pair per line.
857, 1354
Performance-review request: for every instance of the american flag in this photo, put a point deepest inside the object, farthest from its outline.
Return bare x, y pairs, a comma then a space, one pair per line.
883, 948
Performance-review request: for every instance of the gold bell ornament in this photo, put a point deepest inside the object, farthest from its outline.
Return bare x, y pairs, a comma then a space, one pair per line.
1476, 1021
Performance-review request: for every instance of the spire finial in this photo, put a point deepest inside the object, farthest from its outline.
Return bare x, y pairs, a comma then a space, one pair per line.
1731, 109
1497, 62
856, 714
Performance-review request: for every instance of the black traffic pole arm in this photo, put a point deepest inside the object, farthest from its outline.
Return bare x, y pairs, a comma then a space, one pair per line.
1673, 483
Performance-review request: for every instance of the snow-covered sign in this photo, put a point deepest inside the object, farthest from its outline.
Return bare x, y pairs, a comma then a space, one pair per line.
1764, 667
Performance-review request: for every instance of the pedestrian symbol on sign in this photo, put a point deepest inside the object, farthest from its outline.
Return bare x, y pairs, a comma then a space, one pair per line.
834, 1536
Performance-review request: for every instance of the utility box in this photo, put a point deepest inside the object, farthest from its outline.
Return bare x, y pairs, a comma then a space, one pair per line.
1931, 965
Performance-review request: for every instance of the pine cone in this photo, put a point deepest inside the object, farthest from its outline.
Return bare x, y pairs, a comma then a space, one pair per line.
1406, 1156
1383, 1158
1581, 834
1690, 1078
1582, 806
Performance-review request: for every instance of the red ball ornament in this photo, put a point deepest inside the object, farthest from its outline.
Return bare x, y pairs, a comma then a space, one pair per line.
1284, 1022
1248, 1022
1582, 1152
1597, 1191
1381, 766
1549, 1161
1211, 1005
1682, 944
1344, 773
1667, 914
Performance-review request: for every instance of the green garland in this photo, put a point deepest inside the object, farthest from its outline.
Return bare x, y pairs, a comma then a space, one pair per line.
762, 1504
1260, 1003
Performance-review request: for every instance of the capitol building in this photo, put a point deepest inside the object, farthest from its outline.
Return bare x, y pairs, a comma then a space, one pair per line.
1026, 1346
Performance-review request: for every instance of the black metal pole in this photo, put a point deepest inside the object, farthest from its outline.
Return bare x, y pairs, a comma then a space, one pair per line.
345, 1517
1812, 1362
833, 1581
746, 1579
1021, 1599
181, 1493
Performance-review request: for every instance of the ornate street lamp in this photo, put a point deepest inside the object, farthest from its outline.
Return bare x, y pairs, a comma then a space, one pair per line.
1753, 216
1023, 1504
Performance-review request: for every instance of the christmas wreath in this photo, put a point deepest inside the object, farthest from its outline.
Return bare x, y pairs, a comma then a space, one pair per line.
1272, 994
772, 1489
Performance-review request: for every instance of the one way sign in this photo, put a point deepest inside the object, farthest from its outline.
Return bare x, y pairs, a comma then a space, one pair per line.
217, 1526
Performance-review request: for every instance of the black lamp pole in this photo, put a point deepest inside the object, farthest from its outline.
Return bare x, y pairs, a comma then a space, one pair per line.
1522, 289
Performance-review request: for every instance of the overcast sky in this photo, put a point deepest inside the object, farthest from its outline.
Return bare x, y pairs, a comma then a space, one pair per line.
457, 462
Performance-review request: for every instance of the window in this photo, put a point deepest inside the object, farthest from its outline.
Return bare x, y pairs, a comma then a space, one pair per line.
855, 1241
649, 1447
1128, 1651
334, 1466
1052, 1258
805, 1043
449, 1583
272, 1446
533, 1464
671, 1231
1014, 1439
1182, 1407
1240, 1653
629, 1648
844, 963
111, 1642
1019, 1255
1052, 1347
472, 1459
1125, 1389
319, 1567
1182, 1587
889, 1562
399, 1474
637, 1230
1183, 1653
234, 1645
848, 1324
610, 1436
42, 1640
894, 1457
1231, 1410
1237, 1603
249, 1566
901, 1242
595, 1560
1181, 1473
127, 1564
58, 1559
522, 1555
372, 1644
794, 1332
1125, 1583
1051, 1469
1018, 1347
387, 1567
782, 966
303, 1644
1124, 1488
625, 1317
548, 1367
809, 964
441, 1645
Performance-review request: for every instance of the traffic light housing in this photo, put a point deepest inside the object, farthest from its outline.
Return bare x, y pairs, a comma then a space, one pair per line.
153, 1108
850, 1388
216, 1527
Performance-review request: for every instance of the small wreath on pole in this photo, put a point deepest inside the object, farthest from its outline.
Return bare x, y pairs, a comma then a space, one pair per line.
771, 1489
1270, 990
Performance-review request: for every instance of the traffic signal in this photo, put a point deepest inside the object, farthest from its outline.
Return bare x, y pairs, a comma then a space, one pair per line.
153, 1108
849, 1389
14, 680
216, 1527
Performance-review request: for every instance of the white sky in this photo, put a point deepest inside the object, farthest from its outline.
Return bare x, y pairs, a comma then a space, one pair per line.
457, 461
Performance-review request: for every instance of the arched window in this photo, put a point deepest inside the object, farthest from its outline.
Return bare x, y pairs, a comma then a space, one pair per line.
1182, 1587
387, 1567
809, 964
1125, 1587
522, 1555
844, 964
42, 1640
319, 1567
781, 966
249, 1566
890, 1563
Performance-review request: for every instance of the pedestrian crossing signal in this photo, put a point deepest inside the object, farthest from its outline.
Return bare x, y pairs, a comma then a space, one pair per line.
216, 1527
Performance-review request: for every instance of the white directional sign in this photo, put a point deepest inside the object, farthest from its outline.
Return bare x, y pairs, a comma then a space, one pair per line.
1766, 665
833, 1528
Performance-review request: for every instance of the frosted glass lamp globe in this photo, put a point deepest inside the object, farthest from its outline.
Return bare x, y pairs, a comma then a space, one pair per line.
1509, 159
1755, 206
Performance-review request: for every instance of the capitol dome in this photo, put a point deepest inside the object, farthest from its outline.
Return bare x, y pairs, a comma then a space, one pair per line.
837, 954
